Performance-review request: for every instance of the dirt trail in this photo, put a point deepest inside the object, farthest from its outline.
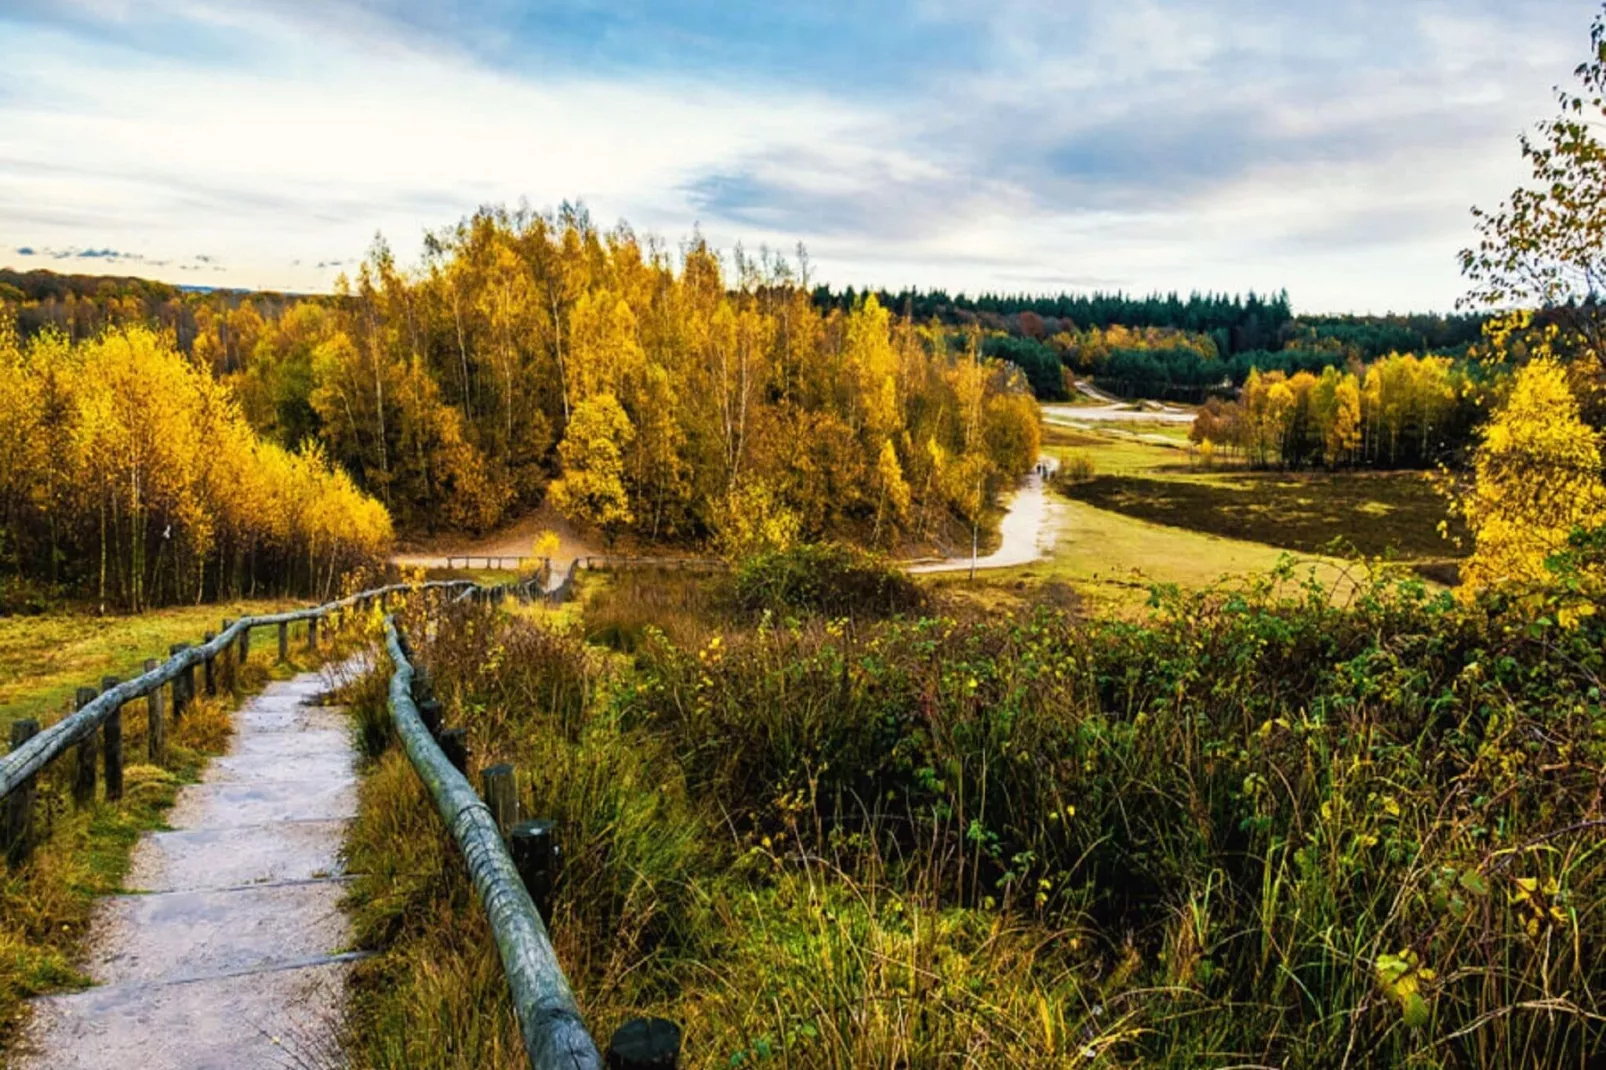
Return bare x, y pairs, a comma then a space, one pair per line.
231, 952
1028, 532
1114, 410
515, 540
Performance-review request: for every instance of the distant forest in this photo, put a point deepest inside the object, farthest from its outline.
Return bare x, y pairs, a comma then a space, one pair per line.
1161, 346
1235, 323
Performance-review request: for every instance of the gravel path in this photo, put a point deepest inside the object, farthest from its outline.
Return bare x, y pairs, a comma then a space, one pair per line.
1028, 532
231, 953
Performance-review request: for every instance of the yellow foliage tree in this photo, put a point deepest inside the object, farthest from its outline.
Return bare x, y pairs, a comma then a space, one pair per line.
592, 490
1538, 478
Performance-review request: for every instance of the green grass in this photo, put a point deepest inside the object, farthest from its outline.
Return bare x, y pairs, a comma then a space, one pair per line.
1150, 514
44, 659
1252, 828
1377, 514
1112, 559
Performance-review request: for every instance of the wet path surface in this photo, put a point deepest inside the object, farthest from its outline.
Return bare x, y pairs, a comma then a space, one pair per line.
229, 950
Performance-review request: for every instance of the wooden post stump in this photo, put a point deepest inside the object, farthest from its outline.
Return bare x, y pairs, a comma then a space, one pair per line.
429, 711
423, 686
284, 641
499, 789
209, 673
454, 744
155, 728
535, 855
226, 677
17, 833
183, 685
644, 1044
111, 731
83, 785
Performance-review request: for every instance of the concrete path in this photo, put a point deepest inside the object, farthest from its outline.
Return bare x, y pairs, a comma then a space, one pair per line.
230, 954
1029, 530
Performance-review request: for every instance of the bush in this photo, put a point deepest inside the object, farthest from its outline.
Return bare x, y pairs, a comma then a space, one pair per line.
826, 578
1075, 468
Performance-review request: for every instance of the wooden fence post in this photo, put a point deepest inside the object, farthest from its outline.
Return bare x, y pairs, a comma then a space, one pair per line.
83, 785
312, 633
183, 685
209, 673
155, 730
245, 645
18, 831
644, 1044
284, 641
227, 674
499, 789
429, 711
535, 855
454, 744
112, 745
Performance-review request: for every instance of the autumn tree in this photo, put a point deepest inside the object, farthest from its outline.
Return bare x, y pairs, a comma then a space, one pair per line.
592, 489
1537, 479
1545, 246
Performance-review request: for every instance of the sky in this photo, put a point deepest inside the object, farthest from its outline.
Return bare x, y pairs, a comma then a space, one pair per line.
1331, 149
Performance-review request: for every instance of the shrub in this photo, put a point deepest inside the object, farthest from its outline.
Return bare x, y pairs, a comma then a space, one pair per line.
1075, 468
826, 578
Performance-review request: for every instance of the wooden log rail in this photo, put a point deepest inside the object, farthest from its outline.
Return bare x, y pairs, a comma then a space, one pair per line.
29, 756
519, 563
672, 564
510, 879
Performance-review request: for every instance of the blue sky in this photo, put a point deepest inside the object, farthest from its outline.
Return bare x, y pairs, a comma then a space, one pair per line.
1333, 149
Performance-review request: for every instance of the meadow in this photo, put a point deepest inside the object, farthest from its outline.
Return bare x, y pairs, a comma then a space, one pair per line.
1249, 827
1220, 519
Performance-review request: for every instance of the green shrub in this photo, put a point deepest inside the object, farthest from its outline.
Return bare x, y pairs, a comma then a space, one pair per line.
826, 578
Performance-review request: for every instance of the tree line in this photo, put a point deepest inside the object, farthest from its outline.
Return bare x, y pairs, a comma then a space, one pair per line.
1401, 411
534, 357
130, 475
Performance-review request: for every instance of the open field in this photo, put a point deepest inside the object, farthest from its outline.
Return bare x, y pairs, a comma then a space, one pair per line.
1376, 514
1392, 514
1112, 559
44, 659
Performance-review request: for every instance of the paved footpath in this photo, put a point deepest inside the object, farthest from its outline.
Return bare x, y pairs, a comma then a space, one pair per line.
229, 951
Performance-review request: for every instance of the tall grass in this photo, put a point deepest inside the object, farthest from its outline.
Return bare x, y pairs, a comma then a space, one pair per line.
1251, 830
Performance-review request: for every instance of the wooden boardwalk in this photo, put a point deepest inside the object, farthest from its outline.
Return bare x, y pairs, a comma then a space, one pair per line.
231, 949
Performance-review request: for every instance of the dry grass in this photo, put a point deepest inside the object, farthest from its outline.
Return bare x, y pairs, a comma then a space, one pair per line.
43, 659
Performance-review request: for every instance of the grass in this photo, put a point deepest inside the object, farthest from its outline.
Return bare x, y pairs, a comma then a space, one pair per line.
44, 659
1251, 828
1147, 514
1381, 514
1112, 560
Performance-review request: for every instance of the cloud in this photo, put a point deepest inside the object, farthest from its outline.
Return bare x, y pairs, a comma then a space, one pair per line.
1333, 149
23, 250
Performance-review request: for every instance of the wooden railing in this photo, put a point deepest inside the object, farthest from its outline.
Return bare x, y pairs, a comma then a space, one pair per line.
511, 864
509, 881
672, 564
33, 749
519, 563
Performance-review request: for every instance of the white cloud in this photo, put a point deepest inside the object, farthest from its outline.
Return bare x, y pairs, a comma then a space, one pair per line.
317, 144
1223, 145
